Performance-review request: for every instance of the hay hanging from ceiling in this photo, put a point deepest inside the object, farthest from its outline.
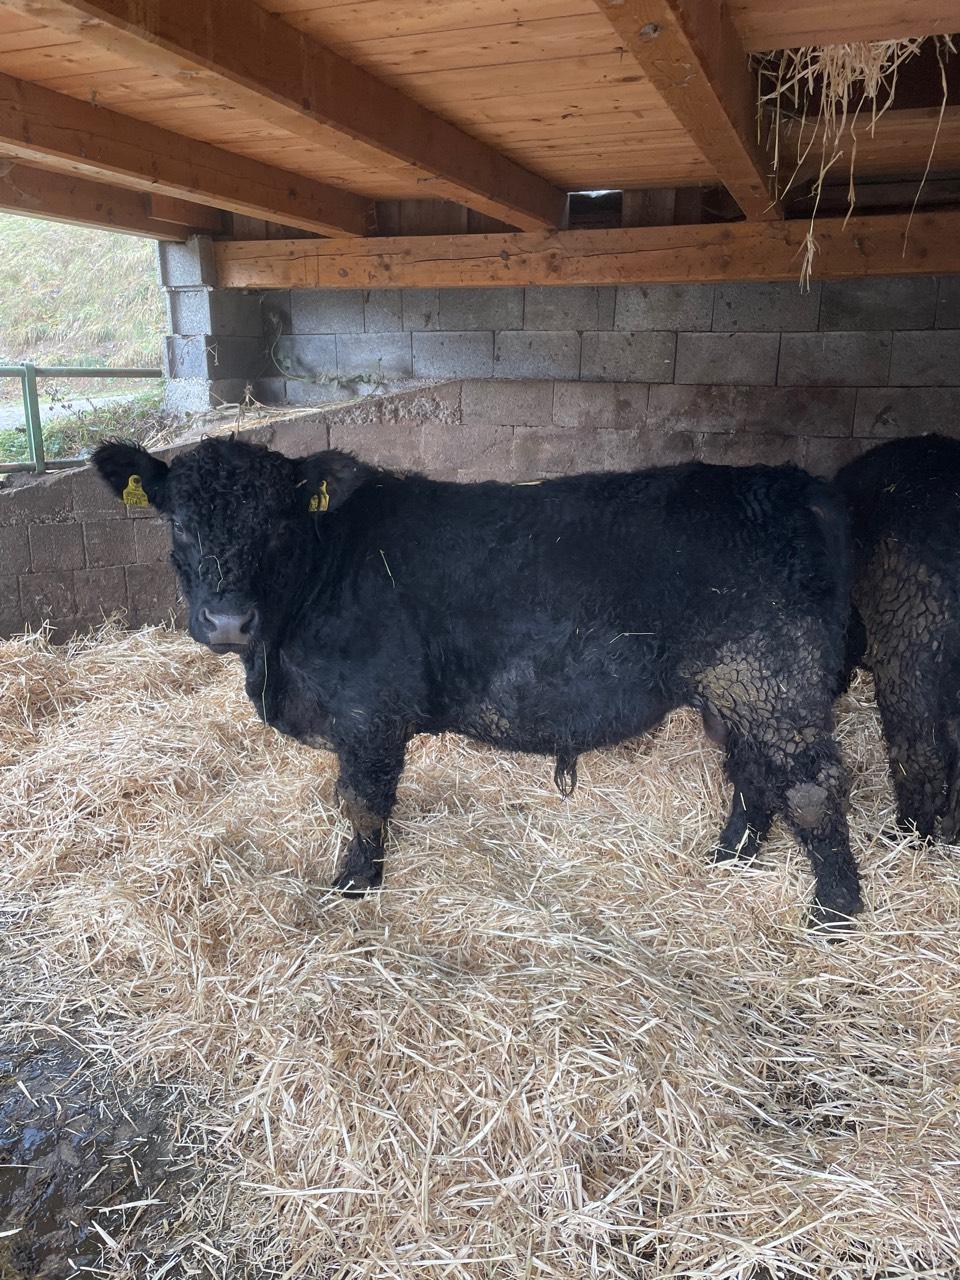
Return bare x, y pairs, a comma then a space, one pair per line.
559, 1045
827, 93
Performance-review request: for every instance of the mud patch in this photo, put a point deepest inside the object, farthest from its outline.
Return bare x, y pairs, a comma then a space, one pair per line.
82, 1168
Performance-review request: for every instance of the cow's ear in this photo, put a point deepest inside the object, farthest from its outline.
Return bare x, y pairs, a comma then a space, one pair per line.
135, 476
328, 479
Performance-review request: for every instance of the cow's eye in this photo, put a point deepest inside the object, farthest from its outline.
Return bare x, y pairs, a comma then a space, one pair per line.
178, 528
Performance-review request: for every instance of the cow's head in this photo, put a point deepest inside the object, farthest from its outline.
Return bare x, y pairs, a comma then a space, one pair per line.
244, 523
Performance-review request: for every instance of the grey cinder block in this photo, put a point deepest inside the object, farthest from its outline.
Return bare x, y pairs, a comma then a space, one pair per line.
560, 307
537, 355
746, 358
906, 411
47, 595
385, 445
306, 354
464, 309
14, 550
453, 355
92, 497
215, 356
382, 310
617, 406
45, 501
930, 359
326, 310
234, 312
522, 403
187, 265
628, 357
11, 614
448, 448
109, 542
887, 302
802, 411
664, 306
834, 359
948, 303
379, 355
420, 308
152, 542
56, 546
768, 307
736, 449
100, 592
151, 590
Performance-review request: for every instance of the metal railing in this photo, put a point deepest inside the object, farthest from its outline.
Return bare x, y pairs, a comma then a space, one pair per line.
28, 375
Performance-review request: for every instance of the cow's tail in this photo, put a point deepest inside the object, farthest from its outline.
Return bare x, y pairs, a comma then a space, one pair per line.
834, 571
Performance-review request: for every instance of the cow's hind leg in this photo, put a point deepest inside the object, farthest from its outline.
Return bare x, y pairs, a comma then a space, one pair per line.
816, 802
797, 772
918, 738
367, 788
752, 809
782, 759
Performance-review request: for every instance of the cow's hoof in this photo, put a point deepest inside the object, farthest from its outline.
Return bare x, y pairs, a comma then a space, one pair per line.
359, 870
355, 883
745, 855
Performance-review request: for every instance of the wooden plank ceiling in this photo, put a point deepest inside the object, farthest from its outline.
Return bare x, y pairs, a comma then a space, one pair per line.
305, 112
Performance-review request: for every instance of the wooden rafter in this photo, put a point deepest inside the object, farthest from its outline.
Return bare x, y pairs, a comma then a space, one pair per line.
53, 131
62, 197
865, 246
254, 61
787, 24
691, 52
184, 213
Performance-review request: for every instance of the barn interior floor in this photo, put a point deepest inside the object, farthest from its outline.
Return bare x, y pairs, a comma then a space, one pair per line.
557, 1044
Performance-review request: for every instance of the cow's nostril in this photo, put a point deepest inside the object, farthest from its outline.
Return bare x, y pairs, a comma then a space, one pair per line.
229, 628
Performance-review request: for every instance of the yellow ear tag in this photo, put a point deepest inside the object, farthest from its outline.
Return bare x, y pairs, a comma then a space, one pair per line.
320, 501
133, 495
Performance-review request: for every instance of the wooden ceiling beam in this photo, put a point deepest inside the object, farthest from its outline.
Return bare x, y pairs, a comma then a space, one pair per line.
53, 131
184, 213
787, 24
37, 193
691, 52
864, 246
252, 60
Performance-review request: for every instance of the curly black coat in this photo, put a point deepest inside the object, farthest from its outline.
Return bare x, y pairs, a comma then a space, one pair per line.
554, 618
904, 501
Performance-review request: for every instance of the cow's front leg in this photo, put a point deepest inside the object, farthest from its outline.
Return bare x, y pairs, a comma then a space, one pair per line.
367, 789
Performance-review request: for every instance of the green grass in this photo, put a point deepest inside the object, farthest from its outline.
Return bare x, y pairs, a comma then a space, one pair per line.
70, 295
75, 434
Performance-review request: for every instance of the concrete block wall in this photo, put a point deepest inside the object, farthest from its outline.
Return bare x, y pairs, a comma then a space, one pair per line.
804, 375
72, 554
733, 372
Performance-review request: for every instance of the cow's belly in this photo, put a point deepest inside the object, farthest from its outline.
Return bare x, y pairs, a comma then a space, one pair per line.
524, 708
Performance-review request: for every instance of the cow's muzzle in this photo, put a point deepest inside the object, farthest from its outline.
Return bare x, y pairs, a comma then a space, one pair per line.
227, 632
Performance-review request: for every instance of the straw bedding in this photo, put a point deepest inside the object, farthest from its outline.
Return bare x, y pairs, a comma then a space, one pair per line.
558, 1043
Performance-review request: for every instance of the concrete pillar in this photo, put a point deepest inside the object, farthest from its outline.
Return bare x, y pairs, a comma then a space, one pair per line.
218, 350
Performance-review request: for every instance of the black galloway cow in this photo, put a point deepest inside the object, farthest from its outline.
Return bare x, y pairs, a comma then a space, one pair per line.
904, 500
554, 618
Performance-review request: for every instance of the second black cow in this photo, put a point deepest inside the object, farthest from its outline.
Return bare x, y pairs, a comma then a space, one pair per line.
904, 500
553, 618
